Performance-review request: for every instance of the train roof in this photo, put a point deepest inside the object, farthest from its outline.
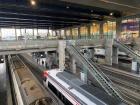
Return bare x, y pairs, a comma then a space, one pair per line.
92, 93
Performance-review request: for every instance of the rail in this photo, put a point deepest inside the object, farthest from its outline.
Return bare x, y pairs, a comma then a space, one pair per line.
127, 50
94, 71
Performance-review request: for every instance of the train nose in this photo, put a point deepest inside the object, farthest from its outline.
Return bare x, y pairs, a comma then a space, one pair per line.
45, 74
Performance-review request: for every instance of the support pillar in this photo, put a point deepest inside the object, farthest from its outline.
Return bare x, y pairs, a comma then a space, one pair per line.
20, 32
88, 31
115, 55
71, 36
139, 29
25, 37
118, 28
65, 34
79, 33
108, 51
16, 34
33, 34
37, 32
55, 59
101, 30
135, 66
59, 32
84, 75
0, 34
73, 65
61, 51
92, 53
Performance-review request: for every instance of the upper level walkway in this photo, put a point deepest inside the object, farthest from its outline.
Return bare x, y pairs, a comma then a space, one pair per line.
25, 46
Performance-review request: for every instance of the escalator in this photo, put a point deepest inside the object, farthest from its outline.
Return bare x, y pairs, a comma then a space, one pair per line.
127, 50
95, 71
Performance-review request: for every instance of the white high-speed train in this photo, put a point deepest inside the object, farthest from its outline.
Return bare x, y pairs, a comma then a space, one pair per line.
72, 91
100, 51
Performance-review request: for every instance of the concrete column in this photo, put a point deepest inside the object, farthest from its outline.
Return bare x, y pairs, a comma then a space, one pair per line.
61, 51
20, 32
138, 68
108, 51
25, 37
92, 52
71, 36
84, 75
16, 34
37, 32
118, 28
115, 55
134, 65
0, 34
88, 31
60, 34
101, 29
79, 33
33, 33
73, 65
139, 28
54, 56
65, 34
25, 30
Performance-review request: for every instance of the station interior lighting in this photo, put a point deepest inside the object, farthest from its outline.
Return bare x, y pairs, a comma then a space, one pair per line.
111, 14
91, 11
33, 2
67, 7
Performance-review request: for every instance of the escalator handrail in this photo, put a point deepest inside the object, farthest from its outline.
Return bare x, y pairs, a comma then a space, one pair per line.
131, 51
99, 76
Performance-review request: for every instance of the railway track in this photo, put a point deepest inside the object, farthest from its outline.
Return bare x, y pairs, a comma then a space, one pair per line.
133, 78
129, 84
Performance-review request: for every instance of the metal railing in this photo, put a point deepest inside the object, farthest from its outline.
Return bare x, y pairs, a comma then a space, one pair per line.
127, 50
95, 72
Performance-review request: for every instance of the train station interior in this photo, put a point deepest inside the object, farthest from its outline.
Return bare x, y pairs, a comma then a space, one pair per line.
69, 52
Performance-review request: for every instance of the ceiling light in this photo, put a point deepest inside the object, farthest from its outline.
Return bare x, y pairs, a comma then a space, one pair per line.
33, 2
67, 7
111, 14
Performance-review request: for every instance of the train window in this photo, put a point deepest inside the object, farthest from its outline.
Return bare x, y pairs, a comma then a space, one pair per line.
59, 94
54, 90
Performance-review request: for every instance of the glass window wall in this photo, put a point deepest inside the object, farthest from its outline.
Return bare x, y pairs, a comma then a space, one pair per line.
94, 30
8, 34
75, 33
68, 34
83, 32
109, 29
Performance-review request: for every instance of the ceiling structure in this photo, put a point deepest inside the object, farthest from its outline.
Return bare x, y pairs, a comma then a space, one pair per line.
127, 7
51, 13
